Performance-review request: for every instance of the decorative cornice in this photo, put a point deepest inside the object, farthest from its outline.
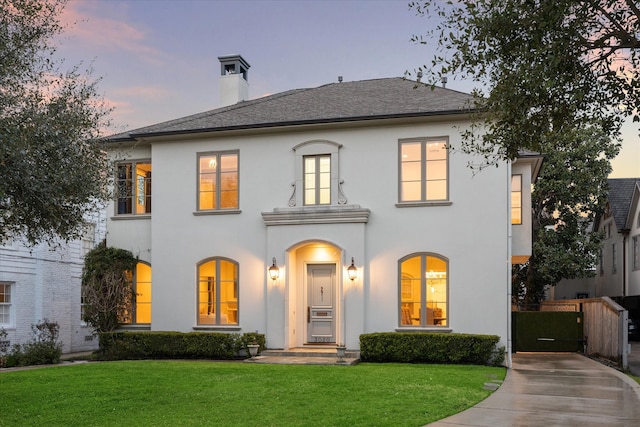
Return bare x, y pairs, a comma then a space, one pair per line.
317, 215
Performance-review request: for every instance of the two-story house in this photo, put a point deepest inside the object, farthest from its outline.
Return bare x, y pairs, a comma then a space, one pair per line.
316, 215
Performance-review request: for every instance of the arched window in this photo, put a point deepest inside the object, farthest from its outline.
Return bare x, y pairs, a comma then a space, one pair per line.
141, 305
423, 290
218, 292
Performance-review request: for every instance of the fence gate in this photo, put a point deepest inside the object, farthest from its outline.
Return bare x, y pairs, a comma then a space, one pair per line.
547, 331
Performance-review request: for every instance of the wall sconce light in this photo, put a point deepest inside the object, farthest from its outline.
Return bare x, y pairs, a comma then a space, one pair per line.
274, 271
352, 270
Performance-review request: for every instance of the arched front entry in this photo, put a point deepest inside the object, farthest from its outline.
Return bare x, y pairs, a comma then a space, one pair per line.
314, 294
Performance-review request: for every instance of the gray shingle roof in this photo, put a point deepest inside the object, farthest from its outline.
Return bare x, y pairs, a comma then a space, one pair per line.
619, 197
335, 102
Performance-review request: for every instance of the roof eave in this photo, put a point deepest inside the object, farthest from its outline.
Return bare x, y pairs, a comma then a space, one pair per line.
297, 123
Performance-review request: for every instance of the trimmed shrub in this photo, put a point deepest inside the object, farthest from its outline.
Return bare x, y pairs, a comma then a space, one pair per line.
421, 347
174, 345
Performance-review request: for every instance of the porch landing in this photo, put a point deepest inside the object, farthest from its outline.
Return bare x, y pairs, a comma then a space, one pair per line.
305, 356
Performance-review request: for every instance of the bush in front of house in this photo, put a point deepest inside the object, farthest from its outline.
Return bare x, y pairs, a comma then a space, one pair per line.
43, 349
422, 347
175, 345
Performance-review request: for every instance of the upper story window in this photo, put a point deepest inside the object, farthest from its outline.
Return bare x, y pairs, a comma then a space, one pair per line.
614, 267
317, 175
218, 180
423, 170
516, 199
88, 238
635, 252
423, 290
133, 187
317, 180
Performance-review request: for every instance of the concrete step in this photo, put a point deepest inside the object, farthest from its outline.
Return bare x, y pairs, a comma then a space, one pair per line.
305, 356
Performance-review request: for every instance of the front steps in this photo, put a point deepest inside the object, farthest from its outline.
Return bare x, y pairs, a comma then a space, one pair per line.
306, 356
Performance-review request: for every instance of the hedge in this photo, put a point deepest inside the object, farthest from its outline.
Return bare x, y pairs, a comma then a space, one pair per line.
176, 345
421, 347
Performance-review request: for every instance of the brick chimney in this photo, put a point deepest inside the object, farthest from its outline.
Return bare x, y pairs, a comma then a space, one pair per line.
234, 84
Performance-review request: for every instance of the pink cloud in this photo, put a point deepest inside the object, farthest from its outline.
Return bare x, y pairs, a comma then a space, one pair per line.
86, 24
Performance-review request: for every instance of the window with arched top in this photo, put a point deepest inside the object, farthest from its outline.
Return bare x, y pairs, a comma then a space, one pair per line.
218, 292
141, 304
423, 290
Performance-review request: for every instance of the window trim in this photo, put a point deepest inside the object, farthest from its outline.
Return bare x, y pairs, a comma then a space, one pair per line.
9, 306
147, 198
424, 201
218, 210
423, 297
134, 303
217, 324
317, 147
635, 252
513, 193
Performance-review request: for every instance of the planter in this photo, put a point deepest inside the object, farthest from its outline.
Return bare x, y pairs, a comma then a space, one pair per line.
340, 352
253, 350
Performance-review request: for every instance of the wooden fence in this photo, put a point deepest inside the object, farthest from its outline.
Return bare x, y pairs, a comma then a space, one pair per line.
605, 326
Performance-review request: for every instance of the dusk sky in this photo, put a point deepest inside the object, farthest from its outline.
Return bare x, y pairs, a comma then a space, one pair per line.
158, 58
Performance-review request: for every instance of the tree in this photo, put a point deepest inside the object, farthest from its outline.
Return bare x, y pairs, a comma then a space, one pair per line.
567, 196
107, 289
52, 173
547, 66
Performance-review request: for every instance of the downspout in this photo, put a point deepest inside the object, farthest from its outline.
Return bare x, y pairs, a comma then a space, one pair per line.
509, 266
624, 265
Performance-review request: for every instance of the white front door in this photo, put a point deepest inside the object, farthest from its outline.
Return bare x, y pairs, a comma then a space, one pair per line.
321, 319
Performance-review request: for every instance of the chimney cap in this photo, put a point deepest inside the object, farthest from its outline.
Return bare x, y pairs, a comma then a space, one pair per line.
233, 64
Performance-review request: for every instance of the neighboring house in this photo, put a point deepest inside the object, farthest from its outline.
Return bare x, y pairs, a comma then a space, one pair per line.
618, 273
316, 215
43, 282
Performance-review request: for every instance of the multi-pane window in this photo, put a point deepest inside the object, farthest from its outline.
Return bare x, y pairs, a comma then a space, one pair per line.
218, 181
88, 238
516, 199
317, 180
218, 292
141, 304
635, 252
423, 290
133, 184
423, 170
5, 304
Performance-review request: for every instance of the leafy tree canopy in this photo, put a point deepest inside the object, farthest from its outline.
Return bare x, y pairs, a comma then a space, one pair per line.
51, 173
565, 201
545, 65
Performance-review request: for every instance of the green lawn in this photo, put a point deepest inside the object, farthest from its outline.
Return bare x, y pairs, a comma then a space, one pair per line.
184, 393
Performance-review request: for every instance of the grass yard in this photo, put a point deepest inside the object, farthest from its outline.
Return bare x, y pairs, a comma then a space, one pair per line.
189, 393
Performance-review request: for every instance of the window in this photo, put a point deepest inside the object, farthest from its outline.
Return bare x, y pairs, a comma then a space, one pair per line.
218, 292
5, 304
635, 252
88, 238
133, 188
317, 180
516, 199
141, 304
218, 181
423, 170
423, 290
601, 262
613, 259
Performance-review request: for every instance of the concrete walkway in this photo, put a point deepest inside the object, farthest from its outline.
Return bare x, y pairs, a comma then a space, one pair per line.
556, 389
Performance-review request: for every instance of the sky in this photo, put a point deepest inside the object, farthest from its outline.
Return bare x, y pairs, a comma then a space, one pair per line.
157, 59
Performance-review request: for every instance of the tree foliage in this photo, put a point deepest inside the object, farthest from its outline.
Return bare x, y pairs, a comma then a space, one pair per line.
52, 173
567, 196
546, 66
107, 289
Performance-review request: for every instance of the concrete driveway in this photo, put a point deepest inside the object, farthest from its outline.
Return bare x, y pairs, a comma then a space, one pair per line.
556, 389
